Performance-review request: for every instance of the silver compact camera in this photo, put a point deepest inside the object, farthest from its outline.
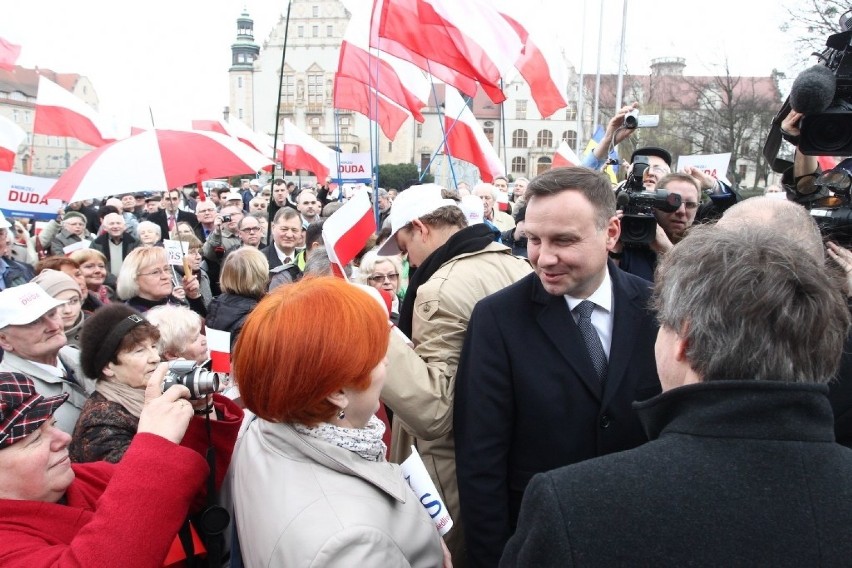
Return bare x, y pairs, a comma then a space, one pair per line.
198, 378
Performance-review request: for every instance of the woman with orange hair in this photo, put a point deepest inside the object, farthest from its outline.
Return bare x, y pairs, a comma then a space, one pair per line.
311, 485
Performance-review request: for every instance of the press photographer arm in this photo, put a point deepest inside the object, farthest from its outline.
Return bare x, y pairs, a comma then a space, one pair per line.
615, 133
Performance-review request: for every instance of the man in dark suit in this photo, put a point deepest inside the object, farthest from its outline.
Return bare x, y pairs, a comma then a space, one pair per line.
551, 364
743, 469
168, 217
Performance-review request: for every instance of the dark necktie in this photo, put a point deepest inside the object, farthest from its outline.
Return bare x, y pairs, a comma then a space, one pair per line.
590, 336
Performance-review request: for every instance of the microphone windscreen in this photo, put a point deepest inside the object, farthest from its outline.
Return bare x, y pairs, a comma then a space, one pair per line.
813, 90
622, 200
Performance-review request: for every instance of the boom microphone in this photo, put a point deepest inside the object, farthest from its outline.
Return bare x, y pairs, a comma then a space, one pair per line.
813, 90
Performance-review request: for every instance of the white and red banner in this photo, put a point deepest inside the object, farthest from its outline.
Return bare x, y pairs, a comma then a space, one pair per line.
354, 168
219, 343
9, 53
715, 165
466, 140
346, 232
565, 156
301, 152
23, 196
11, 138
59, 113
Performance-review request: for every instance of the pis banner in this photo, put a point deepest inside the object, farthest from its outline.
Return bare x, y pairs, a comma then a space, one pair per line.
21, 196
354, 168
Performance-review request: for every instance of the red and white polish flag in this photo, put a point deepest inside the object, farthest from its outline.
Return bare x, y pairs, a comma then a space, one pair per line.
346, 232
219, 343
398, 80
11, 137
9, 53
541, 67
351, 94
449, 39
301, 152
59, 113
565, 156
466, 139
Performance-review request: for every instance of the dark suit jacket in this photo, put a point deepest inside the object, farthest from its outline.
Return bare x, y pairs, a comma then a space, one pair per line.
528, 400
101, 244
161, 219
740, 473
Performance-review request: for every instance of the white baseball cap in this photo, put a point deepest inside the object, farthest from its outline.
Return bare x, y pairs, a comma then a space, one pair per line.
4, 224
20, 305
411, 204
231, 196
473, 209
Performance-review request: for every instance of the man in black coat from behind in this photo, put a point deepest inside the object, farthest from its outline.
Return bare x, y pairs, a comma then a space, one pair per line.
742, 468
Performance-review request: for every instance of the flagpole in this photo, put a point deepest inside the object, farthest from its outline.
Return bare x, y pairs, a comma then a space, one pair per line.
618, 91
278, 102
503, 131
598, 72
581, 95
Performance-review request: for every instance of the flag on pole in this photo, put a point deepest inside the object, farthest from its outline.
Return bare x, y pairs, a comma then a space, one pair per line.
301, 152
470, 38
466, 140
9, 53
542, 70
59, 113
398, 80
565, 156
350, 94
11, 137
346, 232
219, 343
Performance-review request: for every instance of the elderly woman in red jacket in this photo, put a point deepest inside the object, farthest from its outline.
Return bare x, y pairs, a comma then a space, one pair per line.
53, 513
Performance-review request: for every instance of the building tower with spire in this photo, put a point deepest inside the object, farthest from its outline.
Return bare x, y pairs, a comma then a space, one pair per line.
244, 52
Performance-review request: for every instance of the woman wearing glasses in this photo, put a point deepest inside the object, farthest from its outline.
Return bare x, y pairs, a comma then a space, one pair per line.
64, 288
146, 280
383, 274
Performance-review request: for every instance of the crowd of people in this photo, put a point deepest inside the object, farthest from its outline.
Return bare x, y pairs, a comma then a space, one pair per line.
576, 399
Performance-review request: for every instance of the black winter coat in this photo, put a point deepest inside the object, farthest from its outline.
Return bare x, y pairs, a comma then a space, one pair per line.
228, 312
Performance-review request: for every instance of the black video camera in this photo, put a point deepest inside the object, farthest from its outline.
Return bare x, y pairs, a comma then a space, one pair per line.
824, 95
829, 133
638, 225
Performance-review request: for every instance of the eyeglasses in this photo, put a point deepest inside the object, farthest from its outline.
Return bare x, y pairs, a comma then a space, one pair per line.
165, 270
379, 278
690, 205
250, 230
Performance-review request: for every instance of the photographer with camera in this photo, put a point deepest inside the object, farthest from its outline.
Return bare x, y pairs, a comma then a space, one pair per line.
654, 221
626, 122
119, 348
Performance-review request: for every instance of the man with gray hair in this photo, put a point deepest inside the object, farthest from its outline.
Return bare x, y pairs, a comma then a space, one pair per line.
488, 194
742, 468
385, 205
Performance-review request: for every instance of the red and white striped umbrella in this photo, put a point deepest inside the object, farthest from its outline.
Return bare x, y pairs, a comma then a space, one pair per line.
156, 160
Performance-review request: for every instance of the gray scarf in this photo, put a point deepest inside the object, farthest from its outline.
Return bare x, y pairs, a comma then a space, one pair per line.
366, 441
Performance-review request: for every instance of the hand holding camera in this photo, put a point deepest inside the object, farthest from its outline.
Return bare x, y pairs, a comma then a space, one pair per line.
166, 413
